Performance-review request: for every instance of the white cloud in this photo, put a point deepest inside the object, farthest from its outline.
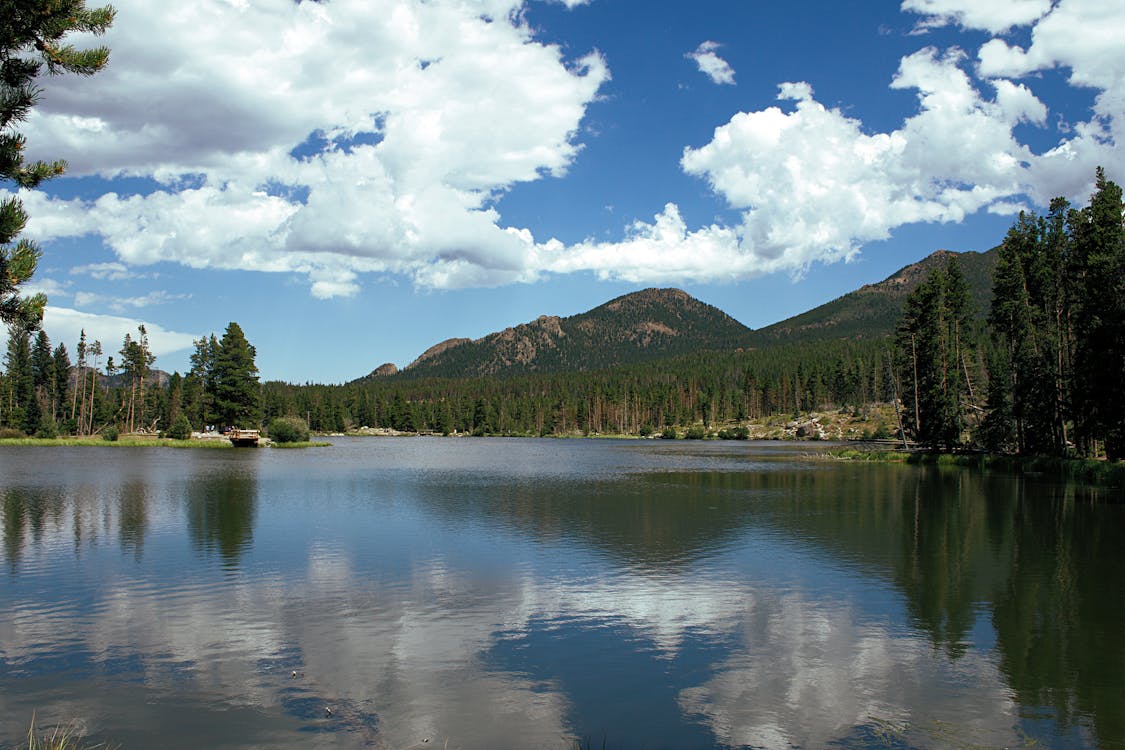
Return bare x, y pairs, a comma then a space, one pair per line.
388, 155
812, 185
112, 271
120, 304
64, 325
664, 251
994, 16
711, 65
44, 285
404, 135
1083, 36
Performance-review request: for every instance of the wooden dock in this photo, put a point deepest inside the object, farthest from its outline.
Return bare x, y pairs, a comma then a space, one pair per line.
244, 438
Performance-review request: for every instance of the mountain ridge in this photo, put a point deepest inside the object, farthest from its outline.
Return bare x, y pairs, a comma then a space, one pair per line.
874, 309
653, 324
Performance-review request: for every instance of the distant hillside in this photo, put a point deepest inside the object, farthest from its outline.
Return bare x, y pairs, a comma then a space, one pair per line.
647, 325
656, 324
873, 310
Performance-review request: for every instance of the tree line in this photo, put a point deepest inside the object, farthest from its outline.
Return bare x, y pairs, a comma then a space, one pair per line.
1053, 344
44, 393
712, 389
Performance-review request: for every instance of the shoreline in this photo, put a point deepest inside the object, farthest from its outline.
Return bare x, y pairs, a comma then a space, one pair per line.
130, 441
1096, 472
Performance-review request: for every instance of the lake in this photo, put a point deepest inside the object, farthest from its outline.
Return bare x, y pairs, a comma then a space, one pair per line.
522, 593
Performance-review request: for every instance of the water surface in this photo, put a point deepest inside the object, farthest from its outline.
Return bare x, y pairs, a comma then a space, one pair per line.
492, 593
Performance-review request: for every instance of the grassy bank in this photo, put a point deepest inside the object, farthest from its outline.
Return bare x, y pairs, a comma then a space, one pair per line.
1102, 473
125, 441
129, 441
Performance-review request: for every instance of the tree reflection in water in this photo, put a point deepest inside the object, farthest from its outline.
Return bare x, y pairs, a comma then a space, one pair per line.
221, 509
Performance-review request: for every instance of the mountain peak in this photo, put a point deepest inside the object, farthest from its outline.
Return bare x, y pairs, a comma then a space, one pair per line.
644, 325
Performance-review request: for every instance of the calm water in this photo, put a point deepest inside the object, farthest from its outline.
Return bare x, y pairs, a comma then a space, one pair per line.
493, 593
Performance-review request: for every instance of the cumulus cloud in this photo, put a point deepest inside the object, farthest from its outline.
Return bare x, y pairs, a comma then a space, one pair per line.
389, 155
812, 185
270, 155
711, 65
994, 16
1082, 36
64, 325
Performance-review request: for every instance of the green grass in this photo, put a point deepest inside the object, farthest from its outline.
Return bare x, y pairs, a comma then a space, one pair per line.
128, 441
859, 454
122, 442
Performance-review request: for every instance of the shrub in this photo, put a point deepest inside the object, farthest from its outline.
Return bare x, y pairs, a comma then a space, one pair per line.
48, 429
110, 434
735, 433
11, 433
288, 430
180, 429
645, 430
669, 433
696, 433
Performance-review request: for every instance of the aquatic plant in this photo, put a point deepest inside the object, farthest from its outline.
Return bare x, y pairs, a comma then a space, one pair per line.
61, 738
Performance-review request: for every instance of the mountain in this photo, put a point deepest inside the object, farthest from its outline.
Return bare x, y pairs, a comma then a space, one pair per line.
656, 324
873, 310
643, 326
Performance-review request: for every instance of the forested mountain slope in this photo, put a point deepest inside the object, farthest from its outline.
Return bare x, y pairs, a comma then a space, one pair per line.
655, 324
873, 310
643, 326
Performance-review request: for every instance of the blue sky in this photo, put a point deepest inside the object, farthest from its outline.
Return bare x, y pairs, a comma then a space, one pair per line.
356, 180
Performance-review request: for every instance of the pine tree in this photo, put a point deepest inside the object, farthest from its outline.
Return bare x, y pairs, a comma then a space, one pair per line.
61, 388
929, 349
90, 388
236, 392
43, 374
31, 34
1011, 320
1100, 319
1058, 313
198, 385
20, 409
136, 363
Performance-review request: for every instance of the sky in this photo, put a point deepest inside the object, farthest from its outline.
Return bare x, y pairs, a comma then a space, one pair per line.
353, 181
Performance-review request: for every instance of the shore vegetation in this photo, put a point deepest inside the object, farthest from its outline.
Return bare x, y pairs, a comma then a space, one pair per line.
1089, 471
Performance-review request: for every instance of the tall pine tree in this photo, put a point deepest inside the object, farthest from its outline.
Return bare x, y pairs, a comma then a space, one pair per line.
1058, 317
932, 336
234, 377
1099, 319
